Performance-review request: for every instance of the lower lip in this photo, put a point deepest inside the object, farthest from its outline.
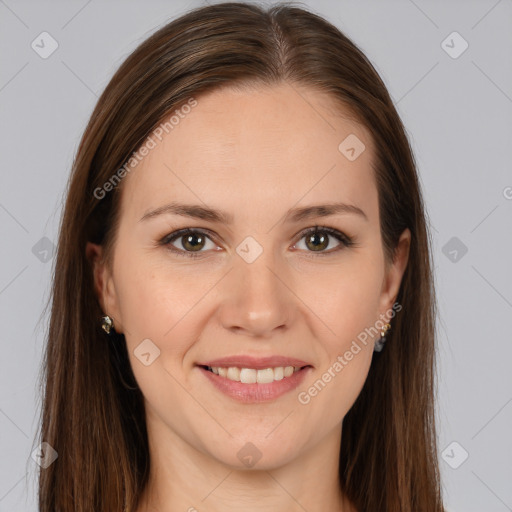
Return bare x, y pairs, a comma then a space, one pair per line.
255, 393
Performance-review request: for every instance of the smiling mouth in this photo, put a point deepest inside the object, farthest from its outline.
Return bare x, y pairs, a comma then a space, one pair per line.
252, 375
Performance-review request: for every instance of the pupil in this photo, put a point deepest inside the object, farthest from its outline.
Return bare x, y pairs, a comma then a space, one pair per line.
190, 239
317, 246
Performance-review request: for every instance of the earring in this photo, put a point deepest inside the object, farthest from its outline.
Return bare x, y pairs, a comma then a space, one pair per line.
379, 344
107, 323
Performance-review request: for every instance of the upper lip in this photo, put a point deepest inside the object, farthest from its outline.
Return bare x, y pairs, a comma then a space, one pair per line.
258, 363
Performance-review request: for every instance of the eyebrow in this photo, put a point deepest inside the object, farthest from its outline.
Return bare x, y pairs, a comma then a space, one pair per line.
293, 215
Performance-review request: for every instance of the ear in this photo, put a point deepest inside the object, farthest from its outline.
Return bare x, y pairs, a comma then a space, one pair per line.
104, 284
395, 272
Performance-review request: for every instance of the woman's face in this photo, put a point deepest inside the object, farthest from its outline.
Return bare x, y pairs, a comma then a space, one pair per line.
253, 281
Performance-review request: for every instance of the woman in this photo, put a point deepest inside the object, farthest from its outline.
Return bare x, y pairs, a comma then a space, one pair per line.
243, 306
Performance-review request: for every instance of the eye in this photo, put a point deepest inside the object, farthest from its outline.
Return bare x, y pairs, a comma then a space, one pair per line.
318, 239
190, 242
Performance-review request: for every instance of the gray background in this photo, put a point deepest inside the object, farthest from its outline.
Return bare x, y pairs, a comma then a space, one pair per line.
458, 113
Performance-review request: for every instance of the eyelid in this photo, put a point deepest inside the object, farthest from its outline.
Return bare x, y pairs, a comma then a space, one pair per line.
175, 235
336, 233
345, 240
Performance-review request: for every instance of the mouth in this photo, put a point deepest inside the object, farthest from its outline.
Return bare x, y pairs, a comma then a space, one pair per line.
255, 385
254, 375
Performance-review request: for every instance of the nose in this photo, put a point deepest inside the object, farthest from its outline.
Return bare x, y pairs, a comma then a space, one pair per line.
255, 299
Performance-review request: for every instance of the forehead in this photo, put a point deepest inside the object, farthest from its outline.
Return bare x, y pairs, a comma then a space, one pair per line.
256, 152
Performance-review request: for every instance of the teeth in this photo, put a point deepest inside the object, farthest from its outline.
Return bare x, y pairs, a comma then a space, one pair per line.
233, 373
265, 376
248, 376
251, 376
288, 371
278, 373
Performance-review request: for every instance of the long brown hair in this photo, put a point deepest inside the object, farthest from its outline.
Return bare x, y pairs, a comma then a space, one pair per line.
93, 411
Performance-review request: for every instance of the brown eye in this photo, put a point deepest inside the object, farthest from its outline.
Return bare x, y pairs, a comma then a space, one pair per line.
187, 242
318, 239
193, 242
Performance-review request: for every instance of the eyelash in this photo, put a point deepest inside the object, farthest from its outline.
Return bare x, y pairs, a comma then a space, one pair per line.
345, 240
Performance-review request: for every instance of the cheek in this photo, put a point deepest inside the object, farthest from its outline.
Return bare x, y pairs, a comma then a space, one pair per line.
150, 298
162, 302
349, 312
348, 304
337, 386
346, 297
155, 305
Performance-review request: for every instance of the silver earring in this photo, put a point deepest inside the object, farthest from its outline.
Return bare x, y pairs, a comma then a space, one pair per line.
379, 344
107, 323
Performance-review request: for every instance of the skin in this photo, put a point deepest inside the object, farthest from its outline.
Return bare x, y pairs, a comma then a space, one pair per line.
255, 155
